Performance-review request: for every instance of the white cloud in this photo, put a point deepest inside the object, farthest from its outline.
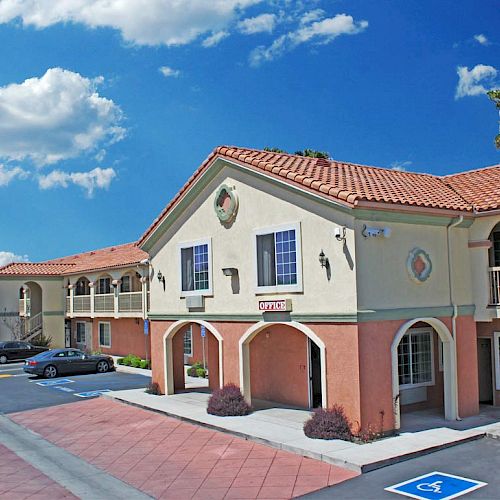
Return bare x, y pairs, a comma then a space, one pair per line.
9, 174
400, 166
215, 39
321, 32
312, 15
8, 257
470, 82
167, 71
57, 116
142, 22
98, 178
481, 39
264, 23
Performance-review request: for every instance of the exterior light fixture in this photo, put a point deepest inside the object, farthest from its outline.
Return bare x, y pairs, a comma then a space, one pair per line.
323, 259
229, 271
161, 278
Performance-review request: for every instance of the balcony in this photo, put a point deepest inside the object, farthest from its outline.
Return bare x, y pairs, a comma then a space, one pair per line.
130, 302
125, 304
494, 273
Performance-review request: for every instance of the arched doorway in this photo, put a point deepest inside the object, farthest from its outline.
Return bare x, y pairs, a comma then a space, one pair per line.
415, 360
203, 337
283, 363
33, 322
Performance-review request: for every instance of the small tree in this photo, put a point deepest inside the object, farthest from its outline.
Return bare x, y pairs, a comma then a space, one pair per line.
313, 153
494, 95
14, 324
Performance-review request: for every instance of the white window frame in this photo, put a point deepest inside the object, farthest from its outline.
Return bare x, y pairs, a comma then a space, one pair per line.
84, 333
259, 290
192, 244
129, 278
496, 347
433, 380
99, 285
99, 333
190, 331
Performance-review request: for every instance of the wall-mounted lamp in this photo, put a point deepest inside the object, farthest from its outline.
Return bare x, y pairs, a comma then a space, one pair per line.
161, 278
339, 233
323, 259
229, 271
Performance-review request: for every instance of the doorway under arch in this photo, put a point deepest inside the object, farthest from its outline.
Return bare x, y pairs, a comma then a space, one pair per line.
174, 355
448, 363
277, 364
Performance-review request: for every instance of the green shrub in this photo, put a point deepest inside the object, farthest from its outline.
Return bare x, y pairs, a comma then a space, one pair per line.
120, 361
201, 372
144, 364
136, 362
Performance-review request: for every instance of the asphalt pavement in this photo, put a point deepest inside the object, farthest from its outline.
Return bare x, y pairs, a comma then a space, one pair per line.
478, 460
20, 391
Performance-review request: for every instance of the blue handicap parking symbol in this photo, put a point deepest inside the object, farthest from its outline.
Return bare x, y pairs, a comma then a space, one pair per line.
92, 394
436, 486
60, 381
203, 331
63, 389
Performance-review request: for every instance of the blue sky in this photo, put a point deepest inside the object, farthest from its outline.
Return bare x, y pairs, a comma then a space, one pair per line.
105, 111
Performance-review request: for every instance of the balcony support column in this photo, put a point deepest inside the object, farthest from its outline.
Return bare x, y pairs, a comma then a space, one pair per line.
144, 289
92, 298
71, 289
116, 291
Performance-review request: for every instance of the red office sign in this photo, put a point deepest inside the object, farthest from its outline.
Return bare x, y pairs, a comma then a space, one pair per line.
275, 305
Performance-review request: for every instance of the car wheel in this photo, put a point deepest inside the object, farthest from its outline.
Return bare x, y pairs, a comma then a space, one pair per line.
3, 359
50, 371
102, 367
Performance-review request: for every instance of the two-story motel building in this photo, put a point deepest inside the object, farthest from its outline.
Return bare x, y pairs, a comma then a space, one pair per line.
318, 282
95, 301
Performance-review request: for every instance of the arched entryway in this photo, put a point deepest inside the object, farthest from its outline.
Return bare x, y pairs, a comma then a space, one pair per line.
175, 342
421, 349
283, 363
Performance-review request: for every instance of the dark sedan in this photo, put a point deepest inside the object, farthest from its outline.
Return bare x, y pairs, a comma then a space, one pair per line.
17, 351
50, 364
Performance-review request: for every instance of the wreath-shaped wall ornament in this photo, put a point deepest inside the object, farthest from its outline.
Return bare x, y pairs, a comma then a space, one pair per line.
226, 203
419, 265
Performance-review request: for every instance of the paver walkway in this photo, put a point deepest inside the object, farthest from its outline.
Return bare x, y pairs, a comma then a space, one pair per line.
19, 480
167, 458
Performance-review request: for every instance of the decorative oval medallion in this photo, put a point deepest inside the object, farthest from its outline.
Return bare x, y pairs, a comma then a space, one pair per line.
226, 203
419, 265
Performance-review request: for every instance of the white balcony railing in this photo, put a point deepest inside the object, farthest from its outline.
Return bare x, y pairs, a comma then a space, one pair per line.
81, 304
130, 302
494, 273
22, 311
68, 304
104, 303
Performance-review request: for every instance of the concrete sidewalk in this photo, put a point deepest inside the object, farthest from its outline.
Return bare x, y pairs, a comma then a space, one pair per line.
282, 429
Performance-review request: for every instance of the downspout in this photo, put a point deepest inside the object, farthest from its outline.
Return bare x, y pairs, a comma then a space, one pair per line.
451, 225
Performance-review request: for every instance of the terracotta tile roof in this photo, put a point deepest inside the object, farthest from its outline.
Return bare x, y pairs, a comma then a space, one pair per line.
347, 183
33, 269
480, 187
105, 258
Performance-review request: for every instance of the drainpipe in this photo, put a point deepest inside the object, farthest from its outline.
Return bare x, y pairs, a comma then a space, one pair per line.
451, 225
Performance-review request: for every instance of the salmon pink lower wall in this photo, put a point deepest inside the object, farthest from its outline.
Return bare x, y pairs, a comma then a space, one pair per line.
278, 366
358, 365
487, 330
127, 336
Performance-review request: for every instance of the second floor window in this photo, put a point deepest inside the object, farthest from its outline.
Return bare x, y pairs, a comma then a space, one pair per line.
104, 286
278, 260
195, 268
126, 285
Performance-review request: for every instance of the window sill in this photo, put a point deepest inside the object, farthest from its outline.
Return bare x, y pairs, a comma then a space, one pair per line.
414, 386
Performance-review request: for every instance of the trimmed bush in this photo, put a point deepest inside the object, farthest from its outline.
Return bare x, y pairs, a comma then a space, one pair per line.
331, 423
119, 361
144, 364
153, 388
192, 371
136, 362
228, 402
201, 372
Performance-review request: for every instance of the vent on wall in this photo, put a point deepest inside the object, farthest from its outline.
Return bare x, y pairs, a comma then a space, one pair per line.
195, 302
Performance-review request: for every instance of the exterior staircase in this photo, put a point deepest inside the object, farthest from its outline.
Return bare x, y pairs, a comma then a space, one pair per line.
32, 327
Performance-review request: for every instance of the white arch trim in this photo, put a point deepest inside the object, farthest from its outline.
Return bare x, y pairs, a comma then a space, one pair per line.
168, 355
244, 355
449, 368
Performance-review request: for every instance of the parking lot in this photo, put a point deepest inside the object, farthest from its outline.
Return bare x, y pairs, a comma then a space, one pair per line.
20, 391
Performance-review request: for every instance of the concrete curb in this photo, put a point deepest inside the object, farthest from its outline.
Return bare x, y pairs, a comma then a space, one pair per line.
356, 467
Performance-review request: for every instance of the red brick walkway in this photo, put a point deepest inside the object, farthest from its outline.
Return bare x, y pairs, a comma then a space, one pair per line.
19, 480
167, 458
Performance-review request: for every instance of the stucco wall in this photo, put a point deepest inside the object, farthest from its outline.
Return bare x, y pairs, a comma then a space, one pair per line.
487, 330
262, 205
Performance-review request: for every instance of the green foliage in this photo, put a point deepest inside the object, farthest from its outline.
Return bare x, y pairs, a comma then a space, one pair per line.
494, 95
136, 362
133, 360
42, 341
153, 388
119, 361
313, 153
145, 365
201, 372
96, 353
192, 371
274, 150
